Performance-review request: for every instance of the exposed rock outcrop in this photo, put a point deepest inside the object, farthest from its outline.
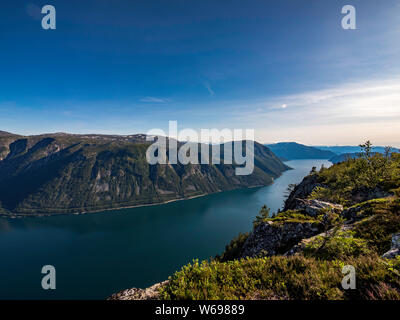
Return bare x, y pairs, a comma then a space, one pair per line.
316, 207
277, 237
271, 238
395, 249
353, 213
151, 293
302, 191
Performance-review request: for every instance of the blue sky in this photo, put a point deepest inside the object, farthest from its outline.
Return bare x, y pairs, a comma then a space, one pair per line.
285, 68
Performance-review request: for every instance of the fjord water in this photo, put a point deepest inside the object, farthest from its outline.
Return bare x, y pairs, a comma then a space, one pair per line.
98, 254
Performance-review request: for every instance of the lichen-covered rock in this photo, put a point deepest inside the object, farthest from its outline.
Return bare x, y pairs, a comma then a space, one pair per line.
395, 249
269, 238
316, 207
151, 293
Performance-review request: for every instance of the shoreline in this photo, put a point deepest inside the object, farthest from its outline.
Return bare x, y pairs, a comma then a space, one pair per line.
40, 215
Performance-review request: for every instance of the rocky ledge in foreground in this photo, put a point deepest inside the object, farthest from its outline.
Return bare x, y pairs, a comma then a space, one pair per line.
395, 248
150, 293
293, 232
299, 253
277, 235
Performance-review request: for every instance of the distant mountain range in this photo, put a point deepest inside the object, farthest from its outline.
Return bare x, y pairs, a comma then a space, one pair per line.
351, 149
345, 156
63, 173
295, 151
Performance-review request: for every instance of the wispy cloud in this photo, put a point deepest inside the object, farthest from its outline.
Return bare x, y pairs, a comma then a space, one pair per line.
154, 100
353, 101
279, 107
346, 113
208, 87
367, 100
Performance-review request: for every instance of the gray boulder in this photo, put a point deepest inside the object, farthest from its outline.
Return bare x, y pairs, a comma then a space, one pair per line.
316, 207
395, 249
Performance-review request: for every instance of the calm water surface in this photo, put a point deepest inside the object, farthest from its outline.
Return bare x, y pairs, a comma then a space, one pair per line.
98, 254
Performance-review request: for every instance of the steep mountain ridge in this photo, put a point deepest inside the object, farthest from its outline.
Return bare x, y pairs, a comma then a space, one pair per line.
61, 173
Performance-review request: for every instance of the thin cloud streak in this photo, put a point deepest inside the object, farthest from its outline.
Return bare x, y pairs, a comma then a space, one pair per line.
344, 114
154, 100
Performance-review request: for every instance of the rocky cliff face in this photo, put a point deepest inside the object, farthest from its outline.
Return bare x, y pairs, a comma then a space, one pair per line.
302, 191
271, 238
277, 236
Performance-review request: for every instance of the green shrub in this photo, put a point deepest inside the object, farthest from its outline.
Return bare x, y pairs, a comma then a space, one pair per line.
263, 215
261, 278
341, 245
279, 277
